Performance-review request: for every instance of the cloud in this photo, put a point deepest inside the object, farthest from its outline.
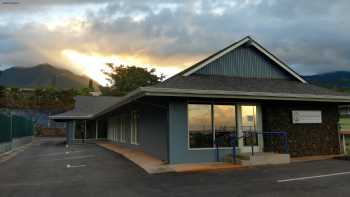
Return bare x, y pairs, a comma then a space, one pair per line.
309, 35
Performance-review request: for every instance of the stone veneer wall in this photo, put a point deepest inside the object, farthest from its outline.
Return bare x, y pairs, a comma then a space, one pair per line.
304, 139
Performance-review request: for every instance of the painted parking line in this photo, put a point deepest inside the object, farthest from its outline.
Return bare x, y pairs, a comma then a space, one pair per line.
313, 177
76, 166
73, 158
53, 154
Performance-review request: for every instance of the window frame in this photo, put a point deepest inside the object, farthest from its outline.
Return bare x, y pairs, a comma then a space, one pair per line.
212, 122
116, 129
122, 129
134, 133
256, 127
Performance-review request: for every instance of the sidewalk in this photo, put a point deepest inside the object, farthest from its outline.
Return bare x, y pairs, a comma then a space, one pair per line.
153, 165
313, 158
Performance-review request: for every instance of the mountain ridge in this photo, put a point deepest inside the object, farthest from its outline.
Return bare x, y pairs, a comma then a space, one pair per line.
44, 75
339, 80
40, 76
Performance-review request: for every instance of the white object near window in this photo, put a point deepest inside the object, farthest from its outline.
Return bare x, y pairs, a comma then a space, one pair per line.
134, 128
306, 116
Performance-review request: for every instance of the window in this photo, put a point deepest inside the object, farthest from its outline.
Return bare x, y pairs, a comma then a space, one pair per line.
113, 132
200, 126
224, 124
109, 133
134, 128
122, 129
249, 123
116, 129
210, 124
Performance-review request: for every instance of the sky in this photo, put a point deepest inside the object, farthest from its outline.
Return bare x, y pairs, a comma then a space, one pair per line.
170, 35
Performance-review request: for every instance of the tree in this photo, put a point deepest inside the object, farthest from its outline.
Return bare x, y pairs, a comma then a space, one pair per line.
125, 79
2, 91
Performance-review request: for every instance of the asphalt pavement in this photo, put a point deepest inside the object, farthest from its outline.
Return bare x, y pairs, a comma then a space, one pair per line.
47, 168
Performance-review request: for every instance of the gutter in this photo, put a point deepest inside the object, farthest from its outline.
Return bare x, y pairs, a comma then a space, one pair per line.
149, 91
70, 117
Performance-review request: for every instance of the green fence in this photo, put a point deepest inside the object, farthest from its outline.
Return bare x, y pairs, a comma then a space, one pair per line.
14, 127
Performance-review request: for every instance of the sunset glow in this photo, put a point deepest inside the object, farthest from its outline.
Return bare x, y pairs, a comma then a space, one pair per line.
93, 64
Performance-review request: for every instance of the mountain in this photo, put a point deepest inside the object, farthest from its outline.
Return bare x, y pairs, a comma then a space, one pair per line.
336, 80
41, 75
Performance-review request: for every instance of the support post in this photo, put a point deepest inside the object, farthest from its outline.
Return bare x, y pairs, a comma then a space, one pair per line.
286, 142
251, 142
84, 130
344, 144
233, 148
73, 131
96, 129
217, 151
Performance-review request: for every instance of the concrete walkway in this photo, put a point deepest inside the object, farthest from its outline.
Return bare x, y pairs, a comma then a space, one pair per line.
314, 158
153, 165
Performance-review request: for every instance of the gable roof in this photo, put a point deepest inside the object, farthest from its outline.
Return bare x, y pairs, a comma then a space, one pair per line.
87, 107
246, 40
210, 86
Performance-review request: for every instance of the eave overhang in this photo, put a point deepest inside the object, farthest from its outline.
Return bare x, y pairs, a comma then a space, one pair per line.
174, 92
244, 95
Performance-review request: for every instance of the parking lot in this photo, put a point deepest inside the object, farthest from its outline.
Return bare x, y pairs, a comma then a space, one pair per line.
48, 168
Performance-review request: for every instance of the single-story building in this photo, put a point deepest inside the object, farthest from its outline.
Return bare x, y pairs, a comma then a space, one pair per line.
344, 127
242, 90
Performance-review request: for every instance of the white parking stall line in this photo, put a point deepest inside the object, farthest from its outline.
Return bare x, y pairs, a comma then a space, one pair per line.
313, 177
75, 166
55, 154
76, 157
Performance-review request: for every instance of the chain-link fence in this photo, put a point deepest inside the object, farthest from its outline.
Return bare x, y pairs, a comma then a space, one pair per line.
12, 126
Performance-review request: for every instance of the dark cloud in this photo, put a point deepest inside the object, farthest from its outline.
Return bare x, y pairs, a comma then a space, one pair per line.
310, 35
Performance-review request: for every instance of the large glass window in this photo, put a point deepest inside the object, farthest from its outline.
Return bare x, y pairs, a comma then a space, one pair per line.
122, 129
249, 124
200, 126
134, 128
224, 124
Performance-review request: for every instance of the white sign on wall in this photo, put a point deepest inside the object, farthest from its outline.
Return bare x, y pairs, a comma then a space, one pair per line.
307, 116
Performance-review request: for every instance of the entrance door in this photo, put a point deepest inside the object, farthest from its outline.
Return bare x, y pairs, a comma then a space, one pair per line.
249, 121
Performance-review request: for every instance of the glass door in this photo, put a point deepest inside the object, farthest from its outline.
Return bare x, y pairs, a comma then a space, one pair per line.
249, 124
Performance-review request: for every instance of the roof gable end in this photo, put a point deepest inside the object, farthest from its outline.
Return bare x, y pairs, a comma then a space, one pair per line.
288, 72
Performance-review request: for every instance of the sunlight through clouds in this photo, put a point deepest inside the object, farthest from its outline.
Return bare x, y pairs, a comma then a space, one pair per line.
94, 64
169, 35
